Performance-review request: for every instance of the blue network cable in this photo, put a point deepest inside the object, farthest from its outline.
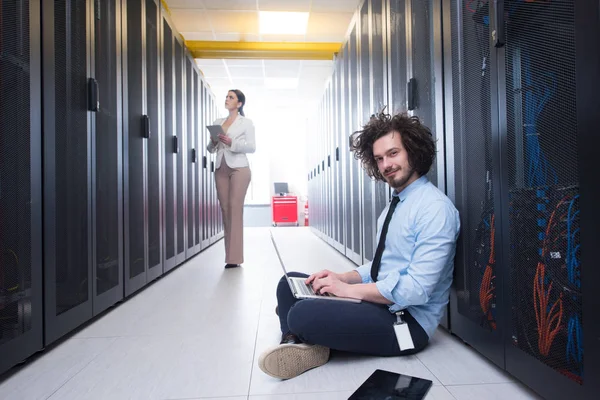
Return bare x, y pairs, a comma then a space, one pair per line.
574, 338
536, 97
574, 341
572, 262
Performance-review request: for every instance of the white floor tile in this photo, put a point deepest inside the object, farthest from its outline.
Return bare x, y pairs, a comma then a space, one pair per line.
161, 367
499, 391
305, 396
43, 376
454, 363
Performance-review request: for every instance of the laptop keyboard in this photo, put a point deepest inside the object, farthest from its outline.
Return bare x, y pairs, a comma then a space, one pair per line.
305, 289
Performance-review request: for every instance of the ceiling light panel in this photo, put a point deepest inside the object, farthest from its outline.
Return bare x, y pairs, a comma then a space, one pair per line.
282, 23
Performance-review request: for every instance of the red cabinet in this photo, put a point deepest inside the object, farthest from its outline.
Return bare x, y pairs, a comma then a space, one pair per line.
285, 209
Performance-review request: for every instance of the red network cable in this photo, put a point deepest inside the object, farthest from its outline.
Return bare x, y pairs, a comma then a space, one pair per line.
548, 321
486, 290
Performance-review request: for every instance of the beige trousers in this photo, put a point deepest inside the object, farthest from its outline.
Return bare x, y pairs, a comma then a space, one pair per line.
232, 184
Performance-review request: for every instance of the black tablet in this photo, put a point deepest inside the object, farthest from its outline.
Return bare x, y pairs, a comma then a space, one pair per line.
385, 385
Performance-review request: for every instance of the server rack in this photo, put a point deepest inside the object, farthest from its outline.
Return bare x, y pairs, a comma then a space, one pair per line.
337, 158
353, 79
82, 195
107, 172
20, 182
141, 144
205, 170
475, 302
523, 267
192, 247
546, 115
173, 144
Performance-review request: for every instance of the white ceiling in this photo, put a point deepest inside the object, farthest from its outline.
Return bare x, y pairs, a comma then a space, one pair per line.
237, 20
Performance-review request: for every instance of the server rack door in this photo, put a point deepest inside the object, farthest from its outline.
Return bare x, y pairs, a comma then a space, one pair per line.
107, 160
396, 50
67, 167
134, 136
356, 199
154, 142
474, 299
334, 164
170, 146
339, 115
20, 183
348, 157
327, 157
425, 54
343, 152
213, 189
331, 163
379, 96
180, 126
199, 146
364, 112
205, 167
546, 342
190, 131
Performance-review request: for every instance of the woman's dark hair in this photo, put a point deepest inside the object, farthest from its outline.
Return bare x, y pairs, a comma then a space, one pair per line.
241, 98
416, 139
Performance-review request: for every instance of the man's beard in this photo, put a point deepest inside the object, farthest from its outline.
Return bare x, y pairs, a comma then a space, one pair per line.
398, 182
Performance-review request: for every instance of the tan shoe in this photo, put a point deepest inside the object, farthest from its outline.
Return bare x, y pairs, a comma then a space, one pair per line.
290, 360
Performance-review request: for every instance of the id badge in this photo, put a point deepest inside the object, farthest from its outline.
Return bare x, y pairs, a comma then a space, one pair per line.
402, 332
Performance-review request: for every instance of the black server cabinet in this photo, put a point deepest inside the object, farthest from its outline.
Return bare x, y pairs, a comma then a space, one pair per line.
363, 113
196, 160
348, 159
548, 117
201, 153
204, 202
142, 216
424, 91
173, 144
20, 182
337, 157
529, 71
192, 247
396, 51
475, 303
82, 162
352, 79
107, 157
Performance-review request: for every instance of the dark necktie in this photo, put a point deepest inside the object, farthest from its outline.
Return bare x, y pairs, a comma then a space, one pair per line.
381, 245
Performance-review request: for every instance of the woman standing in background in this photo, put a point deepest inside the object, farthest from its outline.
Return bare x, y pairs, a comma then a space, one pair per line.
232, 175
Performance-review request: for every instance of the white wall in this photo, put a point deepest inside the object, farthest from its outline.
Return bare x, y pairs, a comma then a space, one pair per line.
280, 152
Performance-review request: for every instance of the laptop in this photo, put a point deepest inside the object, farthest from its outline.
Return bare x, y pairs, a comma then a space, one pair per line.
301, 290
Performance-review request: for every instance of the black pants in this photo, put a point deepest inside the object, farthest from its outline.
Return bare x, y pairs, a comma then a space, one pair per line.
365, 328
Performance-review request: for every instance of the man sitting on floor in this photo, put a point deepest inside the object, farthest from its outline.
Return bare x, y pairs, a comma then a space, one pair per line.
410, 272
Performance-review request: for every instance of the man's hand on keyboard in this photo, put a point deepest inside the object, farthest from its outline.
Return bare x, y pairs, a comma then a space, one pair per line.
330, 283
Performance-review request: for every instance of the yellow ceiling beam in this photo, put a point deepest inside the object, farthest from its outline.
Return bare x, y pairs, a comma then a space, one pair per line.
263, 50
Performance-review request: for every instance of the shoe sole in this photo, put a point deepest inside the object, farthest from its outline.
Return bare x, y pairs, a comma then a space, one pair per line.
290, 360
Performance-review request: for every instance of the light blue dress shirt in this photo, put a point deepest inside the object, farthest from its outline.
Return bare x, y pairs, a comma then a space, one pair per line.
418, 260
